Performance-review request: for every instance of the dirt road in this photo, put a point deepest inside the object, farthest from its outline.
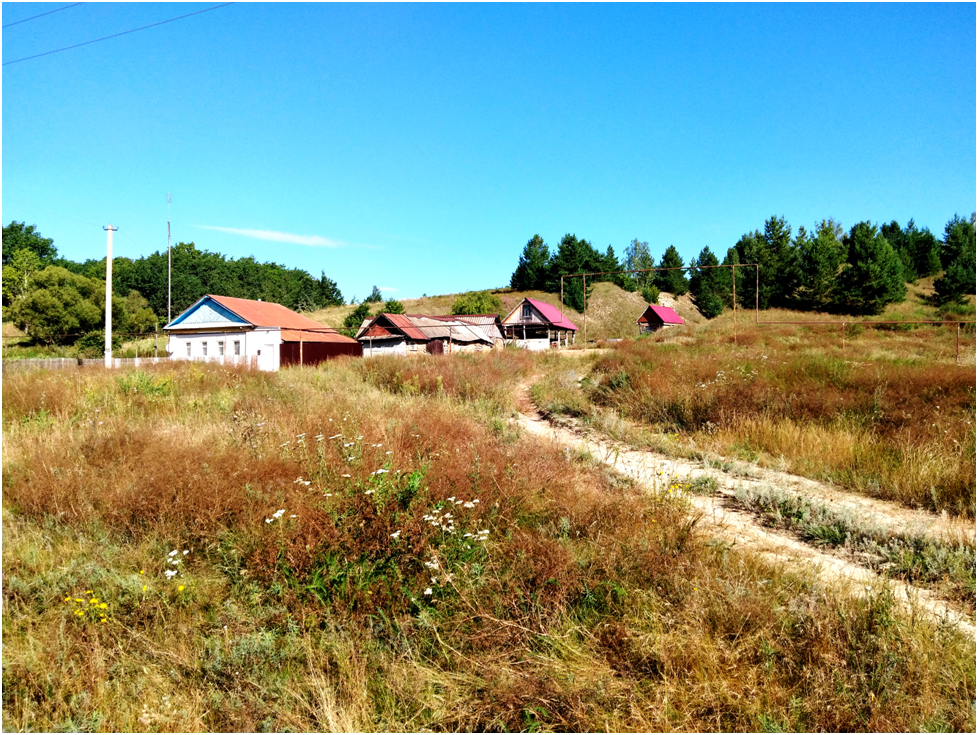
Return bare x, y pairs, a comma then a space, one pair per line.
734, 525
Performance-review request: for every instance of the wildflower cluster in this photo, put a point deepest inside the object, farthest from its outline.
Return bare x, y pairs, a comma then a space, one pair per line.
277, 515
174, 558
90, 607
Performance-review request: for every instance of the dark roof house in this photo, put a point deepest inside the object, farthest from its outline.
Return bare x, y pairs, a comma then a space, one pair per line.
403, 334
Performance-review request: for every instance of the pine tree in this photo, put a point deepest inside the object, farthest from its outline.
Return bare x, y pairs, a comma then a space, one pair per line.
820, 257
533, 270
958, 252
705, 284
873, 274
672, 281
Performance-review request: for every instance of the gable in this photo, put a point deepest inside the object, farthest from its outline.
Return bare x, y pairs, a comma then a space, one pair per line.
208, 312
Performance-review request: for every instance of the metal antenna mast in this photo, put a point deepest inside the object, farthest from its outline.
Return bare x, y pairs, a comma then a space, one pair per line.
169, 260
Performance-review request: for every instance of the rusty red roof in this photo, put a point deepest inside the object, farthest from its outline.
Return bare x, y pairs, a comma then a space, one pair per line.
377, 332
665, 314
403, 322
270, 314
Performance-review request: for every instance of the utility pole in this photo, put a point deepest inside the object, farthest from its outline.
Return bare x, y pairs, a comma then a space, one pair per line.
108, 297
169, 260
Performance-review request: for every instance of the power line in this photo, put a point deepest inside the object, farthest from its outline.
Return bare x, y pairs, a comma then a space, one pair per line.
34, 17
116, 35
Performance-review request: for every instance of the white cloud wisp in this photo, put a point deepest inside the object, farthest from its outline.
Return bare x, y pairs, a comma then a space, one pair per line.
316, 241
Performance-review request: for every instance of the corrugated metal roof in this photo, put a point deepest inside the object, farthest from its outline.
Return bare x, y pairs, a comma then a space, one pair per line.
293, 335
425, 328
548, 312
266, 313
488, 324
377, 332
667, 315
269, 314
403, 322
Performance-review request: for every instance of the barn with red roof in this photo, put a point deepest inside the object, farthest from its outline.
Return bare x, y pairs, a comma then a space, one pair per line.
537, 325
258, 333
656, 317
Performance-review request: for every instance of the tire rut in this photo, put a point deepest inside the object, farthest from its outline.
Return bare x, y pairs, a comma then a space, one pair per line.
739, 527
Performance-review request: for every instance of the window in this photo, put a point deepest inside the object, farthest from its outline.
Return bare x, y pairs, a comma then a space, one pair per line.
237, 347
188, 348
527, 312
203, 348
220, 348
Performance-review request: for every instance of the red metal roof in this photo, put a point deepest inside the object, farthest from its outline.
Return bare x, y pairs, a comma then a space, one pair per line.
270, 314
665, 314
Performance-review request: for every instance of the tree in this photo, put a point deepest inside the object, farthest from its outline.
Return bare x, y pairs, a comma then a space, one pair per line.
783, 270
17, 236
650, 293
958, 259
873, 274
392, 306
572, 257
533, 269
638, 259
918, 250
705, 284
375, 297
355, 318
18, 272
329, 292
820, 255
672, 281
477, 302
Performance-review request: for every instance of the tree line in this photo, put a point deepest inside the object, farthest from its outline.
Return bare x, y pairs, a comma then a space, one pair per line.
827, 269
48, 296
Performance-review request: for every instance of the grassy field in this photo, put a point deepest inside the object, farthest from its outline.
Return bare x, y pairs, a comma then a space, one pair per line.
372, 545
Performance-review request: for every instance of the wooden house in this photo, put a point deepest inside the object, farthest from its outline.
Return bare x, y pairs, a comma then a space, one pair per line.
536, 325
258, 333
656, 317
406, 334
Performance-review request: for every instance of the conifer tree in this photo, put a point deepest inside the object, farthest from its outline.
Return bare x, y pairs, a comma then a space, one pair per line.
533, 270
873, 274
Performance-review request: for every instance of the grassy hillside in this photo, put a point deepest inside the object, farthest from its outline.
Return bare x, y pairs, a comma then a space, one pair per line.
612, 312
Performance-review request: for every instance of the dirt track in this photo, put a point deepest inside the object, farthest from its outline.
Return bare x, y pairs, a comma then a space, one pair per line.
738, 527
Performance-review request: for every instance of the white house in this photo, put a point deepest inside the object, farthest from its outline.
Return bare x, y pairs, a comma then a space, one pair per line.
258, 333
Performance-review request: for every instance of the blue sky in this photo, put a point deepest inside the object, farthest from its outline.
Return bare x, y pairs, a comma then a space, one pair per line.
418, 147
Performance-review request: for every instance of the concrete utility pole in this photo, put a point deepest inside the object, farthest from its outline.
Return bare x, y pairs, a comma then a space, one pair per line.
108, 297
169, 260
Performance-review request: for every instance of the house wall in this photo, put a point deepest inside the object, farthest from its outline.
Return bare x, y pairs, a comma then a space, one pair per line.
378, 347
533, 344
262, 344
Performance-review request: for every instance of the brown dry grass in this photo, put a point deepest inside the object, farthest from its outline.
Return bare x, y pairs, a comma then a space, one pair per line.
896, 428
590, 605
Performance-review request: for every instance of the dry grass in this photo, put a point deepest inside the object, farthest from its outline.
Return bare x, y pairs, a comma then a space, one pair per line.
587, 606
900, 428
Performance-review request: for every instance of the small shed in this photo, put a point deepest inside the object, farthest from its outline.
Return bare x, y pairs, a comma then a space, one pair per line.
656, 317
405, 334
537, 325
262, 334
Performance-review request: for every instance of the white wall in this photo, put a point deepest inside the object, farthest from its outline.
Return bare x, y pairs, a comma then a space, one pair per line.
533, 344
262, 344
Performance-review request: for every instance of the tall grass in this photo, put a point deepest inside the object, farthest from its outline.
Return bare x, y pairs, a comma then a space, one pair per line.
900, 430
340, 574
